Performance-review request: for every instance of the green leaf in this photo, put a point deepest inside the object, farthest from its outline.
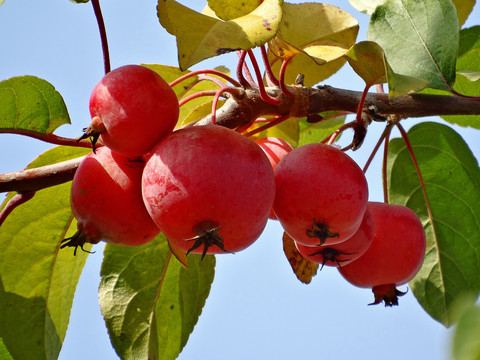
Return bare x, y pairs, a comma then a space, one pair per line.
419, 38
470, 75
150, 302
37, 280
317, 35
314, 133
231, 9
452, 180
466, 342
4, 354
366, 6
30, 104
464, 8
368, 60
200, 36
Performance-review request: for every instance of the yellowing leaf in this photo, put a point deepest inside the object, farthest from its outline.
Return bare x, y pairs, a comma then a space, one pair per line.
200, 36
287, 130
464, 8
231, 9
303, 268
317, 34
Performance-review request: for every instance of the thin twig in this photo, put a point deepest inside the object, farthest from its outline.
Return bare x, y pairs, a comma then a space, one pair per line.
103, 34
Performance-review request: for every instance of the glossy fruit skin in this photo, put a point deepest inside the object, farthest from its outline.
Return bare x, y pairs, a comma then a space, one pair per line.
347, 251
136, 107
107, 202
320, 182
275, 149
209, 174
397, 250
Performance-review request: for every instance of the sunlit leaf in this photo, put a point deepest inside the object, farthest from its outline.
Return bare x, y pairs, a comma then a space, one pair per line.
464, 8
231, 9
4, 354
452, 181
466, 342
303, 268
419, 38
28, 103
151, 302
200, 36
320, 33
287, 130
37, 279
366, 6
470, 74
313, 133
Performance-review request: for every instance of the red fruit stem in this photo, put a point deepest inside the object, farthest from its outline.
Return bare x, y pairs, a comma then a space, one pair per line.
49, 138
277, 120
215, 100
380, 89
384, 168
261, 87
15, 201
417, 168
197, 95
362, 101
283, 69
213, 79
205, 71
103, 34
241, 66
270, 76
386, 132
331, 138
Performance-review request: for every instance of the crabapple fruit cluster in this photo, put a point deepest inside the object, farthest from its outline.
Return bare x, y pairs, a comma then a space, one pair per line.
210, 189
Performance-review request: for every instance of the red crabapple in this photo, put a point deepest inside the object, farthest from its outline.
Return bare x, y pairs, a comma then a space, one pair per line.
321, 195
209, 189
347, 251
395, 255
107, 202
132, 108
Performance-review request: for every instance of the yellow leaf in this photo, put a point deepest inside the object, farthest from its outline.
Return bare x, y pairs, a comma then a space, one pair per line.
303, 268
231, 9
320, 34
200, 36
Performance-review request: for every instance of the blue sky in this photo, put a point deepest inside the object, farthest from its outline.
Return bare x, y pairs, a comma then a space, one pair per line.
257, 308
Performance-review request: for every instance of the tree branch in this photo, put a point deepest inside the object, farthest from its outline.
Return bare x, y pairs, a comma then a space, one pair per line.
248, 105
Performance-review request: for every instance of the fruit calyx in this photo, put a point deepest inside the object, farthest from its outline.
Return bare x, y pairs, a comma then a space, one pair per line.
78, 239
93, 131
207, 235
386, 293
320, 231
331, 254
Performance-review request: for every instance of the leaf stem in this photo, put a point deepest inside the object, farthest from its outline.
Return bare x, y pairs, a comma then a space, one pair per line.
384, 167
15, 201
270, 76
261, 87
49, 138
385, 133
283, 70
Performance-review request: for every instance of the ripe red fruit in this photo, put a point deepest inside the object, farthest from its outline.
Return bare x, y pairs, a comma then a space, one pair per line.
209, 189
321, 195
343, 253
107, 202
395, 255
132, 108
275, 149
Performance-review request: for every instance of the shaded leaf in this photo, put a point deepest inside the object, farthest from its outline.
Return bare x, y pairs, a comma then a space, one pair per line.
452, 181
317, 34
314, 133
231, 9
32, 104
303, 268
419, 38
200, 36
37, 280
150, 302
466, 342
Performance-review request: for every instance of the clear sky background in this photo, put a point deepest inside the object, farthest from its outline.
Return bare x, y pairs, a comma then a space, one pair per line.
257, 309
